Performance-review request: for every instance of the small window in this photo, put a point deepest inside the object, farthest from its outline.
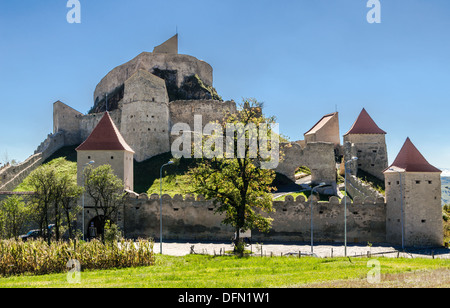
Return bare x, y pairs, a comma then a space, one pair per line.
389, 183
430, 182
175, 209
423, 221
373, 165
374, 151
89, 157
398, 183
112, 157
417, 182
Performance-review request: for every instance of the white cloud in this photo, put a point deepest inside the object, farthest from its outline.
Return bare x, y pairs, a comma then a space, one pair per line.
445, 172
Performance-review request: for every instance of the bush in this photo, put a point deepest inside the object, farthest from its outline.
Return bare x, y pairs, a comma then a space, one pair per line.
39, 258
112, 232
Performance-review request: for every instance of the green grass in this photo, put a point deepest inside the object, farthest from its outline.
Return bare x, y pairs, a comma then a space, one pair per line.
199, 271
146, 174
305, 194
172, 185
294, 195
61, 165
175, 178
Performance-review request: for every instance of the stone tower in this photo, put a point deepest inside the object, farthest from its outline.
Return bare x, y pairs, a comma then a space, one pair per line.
105, 145
145, 115
326, 130
369, 144
413, 200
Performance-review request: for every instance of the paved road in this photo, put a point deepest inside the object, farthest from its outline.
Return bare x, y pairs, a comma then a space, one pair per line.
322, 250
299, 185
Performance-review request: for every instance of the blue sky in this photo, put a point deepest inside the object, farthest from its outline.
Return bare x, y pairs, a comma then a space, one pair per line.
302, 58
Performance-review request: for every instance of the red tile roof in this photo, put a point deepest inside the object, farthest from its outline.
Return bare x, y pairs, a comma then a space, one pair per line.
105, 137
410, 159
365, 125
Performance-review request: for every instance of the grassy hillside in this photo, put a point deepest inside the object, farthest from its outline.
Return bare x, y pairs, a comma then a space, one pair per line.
61, 165
175, 179
146, 174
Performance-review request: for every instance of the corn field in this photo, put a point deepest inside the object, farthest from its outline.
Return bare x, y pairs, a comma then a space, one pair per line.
38, 258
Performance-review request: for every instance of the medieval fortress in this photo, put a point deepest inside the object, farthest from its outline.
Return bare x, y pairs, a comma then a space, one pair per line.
145, 97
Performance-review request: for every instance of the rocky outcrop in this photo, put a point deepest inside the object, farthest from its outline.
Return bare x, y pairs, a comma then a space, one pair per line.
183, 65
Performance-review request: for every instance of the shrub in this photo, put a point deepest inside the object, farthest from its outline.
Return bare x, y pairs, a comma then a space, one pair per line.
39, 258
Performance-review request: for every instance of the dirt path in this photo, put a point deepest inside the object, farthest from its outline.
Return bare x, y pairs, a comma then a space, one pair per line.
322, 250
420, 279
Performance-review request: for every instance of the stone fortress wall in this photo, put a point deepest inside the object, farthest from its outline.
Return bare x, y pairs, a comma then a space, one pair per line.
194, 219
145, 97
145, 116
12, 175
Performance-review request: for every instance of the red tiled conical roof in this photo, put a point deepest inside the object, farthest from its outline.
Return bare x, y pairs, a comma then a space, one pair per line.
365, 125
410, 159
105, 137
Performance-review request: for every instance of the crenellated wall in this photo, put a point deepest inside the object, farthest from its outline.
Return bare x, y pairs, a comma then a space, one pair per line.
192, 218
366, 221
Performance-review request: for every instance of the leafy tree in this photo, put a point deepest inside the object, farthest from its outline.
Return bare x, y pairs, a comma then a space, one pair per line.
55, 196
43, 181
106, 191
65, 204
238, 185
13, 216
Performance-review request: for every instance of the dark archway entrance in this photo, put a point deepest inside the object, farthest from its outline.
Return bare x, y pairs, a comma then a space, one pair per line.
95, 228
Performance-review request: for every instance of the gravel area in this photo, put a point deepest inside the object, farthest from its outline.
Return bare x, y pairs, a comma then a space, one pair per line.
320, 250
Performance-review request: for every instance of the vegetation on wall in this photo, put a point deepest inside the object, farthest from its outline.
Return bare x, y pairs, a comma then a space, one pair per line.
114, 98
191, 88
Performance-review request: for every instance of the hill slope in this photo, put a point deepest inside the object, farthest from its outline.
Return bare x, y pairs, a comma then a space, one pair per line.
445, 182
146, 173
